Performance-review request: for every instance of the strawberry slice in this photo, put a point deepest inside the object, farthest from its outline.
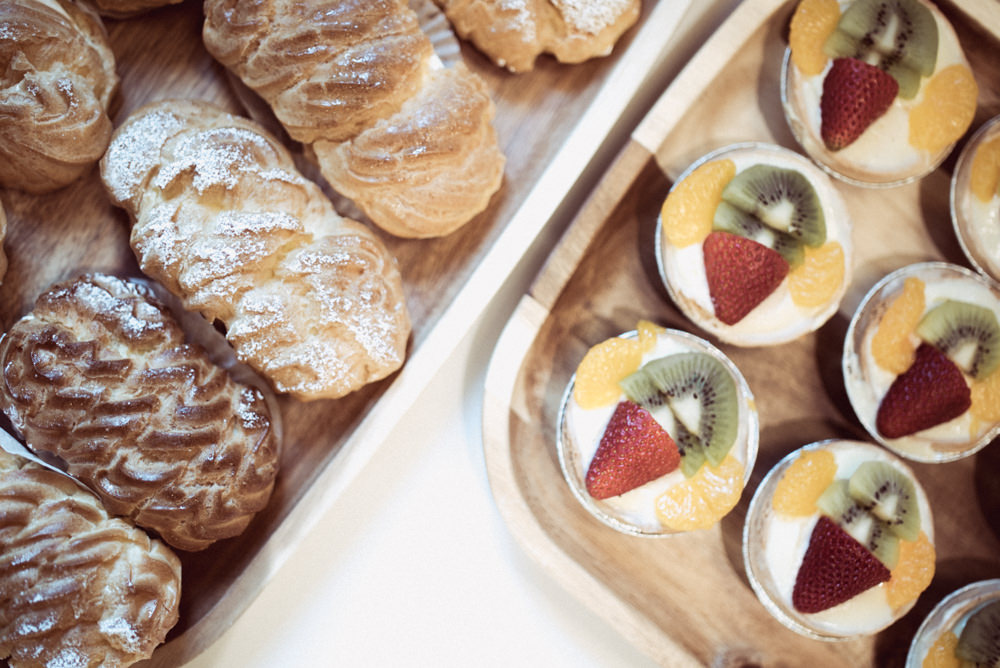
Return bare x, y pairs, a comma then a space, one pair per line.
932, 391
836, 568
633, 450
741, 274
855, 94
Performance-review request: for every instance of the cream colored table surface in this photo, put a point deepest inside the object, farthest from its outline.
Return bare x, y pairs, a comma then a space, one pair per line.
414, 565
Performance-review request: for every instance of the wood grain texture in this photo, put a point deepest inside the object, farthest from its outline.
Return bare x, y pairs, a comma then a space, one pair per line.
76, 230
685, 600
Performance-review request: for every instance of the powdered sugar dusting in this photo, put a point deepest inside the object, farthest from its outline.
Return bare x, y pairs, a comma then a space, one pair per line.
133, 155
591, 16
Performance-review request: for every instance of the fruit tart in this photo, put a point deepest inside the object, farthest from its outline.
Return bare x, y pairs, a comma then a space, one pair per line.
754, 244
975, 199
962, 630
876, 91
657, 432
921, 362
839, 540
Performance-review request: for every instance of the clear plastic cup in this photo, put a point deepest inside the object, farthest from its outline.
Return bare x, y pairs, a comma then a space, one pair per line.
777, 319
950, 615
977, 221
866, 382
774, 544
578, 432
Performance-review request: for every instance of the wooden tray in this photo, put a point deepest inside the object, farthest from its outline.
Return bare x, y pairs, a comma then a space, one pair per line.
685, 600
552, 123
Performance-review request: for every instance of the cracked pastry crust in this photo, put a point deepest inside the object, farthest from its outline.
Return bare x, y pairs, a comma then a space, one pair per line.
77, 587
222, 218
57, 78
513, 33
411, 142
99, 376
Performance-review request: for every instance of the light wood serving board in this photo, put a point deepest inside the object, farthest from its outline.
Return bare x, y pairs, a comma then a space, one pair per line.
685, 600
552, 123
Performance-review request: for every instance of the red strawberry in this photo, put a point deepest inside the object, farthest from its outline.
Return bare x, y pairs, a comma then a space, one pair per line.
741, 273
854, 95
634, 450
836, 568
933, 390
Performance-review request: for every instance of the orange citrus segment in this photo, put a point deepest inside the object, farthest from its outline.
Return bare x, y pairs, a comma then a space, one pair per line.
690, 207
649, 332
913, 571
597, 376
812, 24
945, 112
984, 175
892, 347
703, 499
802, 483
986, 399
819, 277
942, 652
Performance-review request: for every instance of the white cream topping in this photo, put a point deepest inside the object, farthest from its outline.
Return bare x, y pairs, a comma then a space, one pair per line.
777, 318
977, 221
883, 152
787, 539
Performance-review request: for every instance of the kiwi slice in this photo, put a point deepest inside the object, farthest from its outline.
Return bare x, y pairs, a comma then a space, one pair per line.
979, 641
728, 218
702, 396
899, 36
782, 199
837, 503
889, 494
968, 334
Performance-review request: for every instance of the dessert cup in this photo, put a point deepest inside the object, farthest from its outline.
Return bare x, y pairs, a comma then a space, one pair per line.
579, 431
883, 155
783, 315
977, 218
867, 381
775, 541
949, 616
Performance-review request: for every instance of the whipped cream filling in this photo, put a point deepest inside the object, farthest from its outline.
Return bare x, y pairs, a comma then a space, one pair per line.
777, 319
584, 428
786, 540
882, 153
867, 382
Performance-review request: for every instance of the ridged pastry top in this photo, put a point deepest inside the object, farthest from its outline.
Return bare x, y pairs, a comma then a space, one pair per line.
311, 300
57, 77
515, 32
329, 69
99, 375
77, 587
362, 73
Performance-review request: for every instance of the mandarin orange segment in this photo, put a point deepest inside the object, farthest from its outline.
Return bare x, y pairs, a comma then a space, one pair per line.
986, 399
649, 332
984, 174
606, 363
893, 348
689, 209
812, 23
913, 571
700, 501
945, 112
802, 483
942, 652
821, 274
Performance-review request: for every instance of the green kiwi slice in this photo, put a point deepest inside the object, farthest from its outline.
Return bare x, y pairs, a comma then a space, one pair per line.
782, 199
889, 494
728, 218
837, 503
899, 36
702, 395
979, 641
968, 334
